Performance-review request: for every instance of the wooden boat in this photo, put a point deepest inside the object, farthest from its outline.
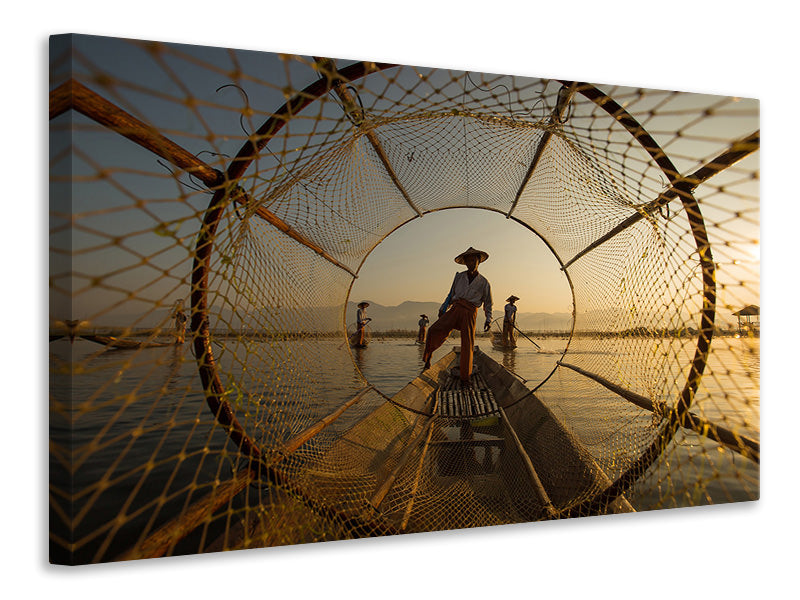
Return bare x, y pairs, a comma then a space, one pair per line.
489, 454
497, 342
436, 456
113, 342
353, 340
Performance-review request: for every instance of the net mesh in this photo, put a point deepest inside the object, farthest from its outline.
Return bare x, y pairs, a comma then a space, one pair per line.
233, 196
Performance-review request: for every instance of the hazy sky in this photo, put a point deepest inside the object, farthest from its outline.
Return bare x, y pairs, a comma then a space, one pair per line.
416, 262
413, 263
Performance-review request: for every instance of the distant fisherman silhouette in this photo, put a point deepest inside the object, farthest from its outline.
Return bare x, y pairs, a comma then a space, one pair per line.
180, 322
361, 322
469, 291
423, 324
510, 321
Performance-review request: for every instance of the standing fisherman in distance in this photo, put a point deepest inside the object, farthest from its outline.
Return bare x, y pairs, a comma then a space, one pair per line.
361, 322
423, 324
459, 311
180, 322
509, 321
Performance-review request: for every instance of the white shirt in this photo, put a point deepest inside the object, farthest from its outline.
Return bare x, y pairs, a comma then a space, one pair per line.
361, 316
510, 311
476, 293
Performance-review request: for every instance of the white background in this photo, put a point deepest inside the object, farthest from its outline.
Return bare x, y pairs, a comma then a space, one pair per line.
741, 551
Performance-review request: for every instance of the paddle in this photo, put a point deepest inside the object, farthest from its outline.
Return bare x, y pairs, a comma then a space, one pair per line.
526, 337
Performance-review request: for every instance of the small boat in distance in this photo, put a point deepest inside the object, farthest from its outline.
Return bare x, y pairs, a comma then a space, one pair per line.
353, 338
120, 344
497, 342
354, 342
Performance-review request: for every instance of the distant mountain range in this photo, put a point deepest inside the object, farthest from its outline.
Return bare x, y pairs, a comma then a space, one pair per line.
327, 319
404, 316
407, 315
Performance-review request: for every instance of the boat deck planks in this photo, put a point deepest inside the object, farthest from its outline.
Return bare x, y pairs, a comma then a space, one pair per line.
459, 402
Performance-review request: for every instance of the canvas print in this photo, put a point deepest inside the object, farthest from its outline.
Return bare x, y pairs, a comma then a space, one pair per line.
297, 299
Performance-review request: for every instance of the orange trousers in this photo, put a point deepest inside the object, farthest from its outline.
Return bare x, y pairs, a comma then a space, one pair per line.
508, 333
461, 315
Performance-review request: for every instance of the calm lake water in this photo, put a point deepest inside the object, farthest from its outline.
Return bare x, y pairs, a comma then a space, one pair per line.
141, 429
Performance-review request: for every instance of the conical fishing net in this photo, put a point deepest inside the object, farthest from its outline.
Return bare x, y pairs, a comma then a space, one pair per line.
234, 196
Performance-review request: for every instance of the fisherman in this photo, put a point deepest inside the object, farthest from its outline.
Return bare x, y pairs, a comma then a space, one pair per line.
469, 291
180, 322
423, 323
361, 322
509, 321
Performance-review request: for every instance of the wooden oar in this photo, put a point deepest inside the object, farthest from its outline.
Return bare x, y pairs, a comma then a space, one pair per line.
526, 337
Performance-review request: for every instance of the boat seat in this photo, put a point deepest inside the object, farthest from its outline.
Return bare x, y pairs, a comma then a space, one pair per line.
475, 402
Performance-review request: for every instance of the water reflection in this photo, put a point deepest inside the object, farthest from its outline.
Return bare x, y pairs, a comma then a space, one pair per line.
98, 396
175, 360
359, 357
750, 353
510, 359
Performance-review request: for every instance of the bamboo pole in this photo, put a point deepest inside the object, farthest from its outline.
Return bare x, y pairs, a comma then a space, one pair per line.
417, 477
681, 187
491, 403
555, 117
244, 198
301, 438
476, 406
527, 338
328, 67
165, 538
382, 490
743, 445
75, 95
529, 468
172, 532
632, 397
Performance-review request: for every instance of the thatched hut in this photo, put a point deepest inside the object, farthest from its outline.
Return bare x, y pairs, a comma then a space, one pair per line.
749, 319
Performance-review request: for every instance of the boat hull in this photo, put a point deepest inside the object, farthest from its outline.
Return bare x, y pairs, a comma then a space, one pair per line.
112, 342
565, 467
430, 467
410, 465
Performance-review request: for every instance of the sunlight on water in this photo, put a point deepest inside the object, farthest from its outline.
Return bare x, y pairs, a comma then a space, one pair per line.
156, 394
